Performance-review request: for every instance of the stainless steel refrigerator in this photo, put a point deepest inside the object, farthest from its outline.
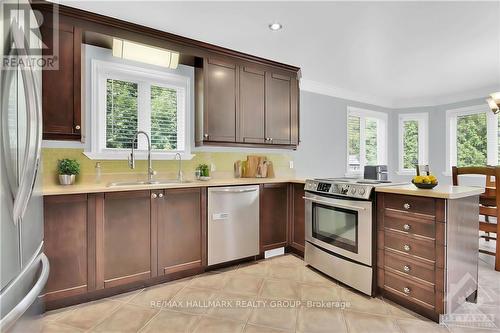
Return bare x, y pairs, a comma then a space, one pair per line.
24, 268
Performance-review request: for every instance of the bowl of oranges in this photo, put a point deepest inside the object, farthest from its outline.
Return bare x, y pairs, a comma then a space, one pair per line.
426, 182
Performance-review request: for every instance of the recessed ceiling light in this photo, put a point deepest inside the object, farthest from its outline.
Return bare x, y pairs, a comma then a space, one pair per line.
275, 26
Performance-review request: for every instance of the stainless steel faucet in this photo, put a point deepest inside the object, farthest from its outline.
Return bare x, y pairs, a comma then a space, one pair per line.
179, 171
131, 159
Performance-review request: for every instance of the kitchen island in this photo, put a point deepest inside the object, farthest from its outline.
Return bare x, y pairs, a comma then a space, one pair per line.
427, 247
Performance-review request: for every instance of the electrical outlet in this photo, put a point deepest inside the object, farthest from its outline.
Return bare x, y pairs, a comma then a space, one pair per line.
290, 163
212, 167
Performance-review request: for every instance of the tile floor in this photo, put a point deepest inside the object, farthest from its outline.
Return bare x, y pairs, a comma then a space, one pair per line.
262, 297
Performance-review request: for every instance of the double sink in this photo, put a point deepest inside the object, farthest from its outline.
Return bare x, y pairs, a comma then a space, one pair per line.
149, 182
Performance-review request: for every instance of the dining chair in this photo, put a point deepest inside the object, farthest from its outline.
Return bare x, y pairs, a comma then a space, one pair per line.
489, 203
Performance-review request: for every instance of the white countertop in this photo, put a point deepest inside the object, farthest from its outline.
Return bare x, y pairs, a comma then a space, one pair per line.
440, 191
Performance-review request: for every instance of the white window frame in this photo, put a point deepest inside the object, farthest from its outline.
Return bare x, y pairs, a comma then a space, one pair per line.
382, 119
422, 120
103, 70
451, 134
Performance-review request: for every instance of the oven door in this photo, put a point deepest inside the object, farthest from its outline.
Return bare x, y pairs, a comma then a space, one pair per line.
341, 226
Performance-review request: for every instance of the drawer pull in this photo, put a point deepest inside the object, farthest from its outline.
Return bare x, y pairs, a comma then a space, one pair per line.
406, 268
154, 196
406, 290
406, 247
406, 227
160, 195
406, 206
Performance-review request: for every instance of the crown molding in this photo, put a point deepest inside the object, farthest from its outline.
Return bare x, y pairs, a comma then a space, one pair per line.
395, 103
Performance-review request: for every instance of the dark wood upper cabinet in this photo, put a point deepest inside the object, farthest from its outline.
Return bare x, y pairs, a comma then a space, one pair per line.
123, 239
65, 244
252, 105
297, 220
220, 114
180, 219
61, 86
246, 105
274, 216
281, 109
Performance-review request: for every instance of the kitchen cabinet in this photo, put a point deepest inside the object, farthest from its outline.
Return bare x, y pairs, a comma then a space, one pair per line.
252, 105
180, 218
242, 104
65, 244
281, 109
61, 85
124, 239
274, 216
297, 218
220, 116
427, 251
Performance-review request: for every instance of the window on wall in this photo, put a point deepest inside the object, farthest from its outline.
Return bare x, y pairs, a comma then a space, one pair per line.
472, 137
366, 139
128, 99
413, 141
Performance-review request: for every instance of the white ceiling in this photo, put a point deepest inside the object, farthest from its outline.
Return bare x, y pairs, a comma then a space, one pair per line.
394, 54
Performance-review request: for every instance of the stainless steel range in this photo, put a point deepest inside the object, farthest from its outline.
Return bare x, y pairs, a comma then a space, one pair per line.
340, 229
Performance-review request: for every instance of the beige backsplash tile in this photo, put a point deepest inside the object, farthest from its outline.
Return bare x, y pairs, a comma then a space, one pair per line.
116, 170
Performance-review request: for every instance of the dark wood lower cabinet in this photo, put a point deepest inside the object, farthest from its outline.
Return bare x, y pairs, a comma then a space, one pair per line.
66, 237
274, 214
181, 222
102, 244
124, 239
297, 218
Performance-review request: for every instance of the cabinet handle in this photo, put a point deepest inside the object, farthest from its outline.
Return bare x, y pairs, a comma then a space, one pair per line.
406, 206
406, 290
406, 247
77, 127
160, 195
154, 196
270, 139
205, 135
406, 268
406, 227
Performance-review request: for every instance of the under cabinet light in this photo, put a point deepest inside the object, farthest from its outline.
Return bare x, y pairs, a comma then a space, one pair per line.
144, 53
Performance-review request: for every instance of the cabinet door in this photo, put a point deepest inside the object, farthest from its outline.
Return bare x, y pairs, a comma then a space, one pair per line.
65, 229
274, 216
278, 127
124, 239
181, 230
61, 85
220, 114
297, 232
252, 106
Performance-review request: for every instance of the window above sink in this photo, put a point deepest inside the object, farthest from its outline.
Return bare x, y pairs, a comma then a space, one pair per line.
126, 97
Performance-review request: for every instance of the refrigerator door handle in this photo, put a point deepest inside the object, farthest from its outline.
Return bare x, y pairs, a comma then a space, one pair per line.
33, 136
14, 314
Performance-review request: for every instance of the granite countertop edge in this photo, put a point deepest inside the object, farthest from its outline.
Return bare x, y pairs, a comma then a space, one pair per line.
55, 189
440, 191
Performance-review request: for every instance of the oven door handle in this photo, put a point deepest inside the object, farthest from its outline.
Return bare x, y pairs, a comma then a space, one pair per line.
334, 205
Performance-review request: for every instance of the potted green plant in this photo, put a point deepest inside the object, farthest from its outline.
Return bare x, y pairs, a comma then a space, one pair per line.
203, 172
67, 170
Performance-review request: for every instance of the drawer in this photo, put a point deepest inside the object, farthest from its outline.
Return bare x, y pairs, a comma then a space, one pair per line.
409, 203
414, 291
413, 247
410, 267
410, 223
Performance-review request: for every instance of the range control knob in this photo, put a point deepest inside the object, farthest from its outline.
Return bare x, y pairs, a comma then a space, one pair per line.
362, 191
353, 190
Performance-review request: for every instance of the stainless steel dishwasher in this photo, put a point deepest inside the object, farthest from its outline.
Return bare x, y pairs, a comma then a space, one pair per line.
233, 223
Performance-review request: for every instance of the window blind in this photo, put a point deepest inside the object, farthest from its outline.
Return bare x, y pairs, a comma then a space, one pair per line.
121, 113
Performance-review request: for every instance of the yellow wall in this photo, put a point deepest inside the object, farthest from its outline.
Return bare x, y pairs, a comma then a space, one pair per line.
223, 162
